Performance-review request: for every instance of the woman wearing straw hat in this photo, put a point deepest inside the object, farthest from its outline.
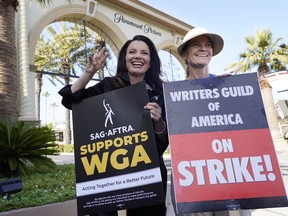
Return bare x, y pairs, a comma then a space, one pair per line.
197, 49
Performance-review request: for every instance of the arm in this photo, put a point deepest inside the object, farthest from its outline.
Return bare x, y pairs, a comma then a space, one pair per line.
160, 129
93, 65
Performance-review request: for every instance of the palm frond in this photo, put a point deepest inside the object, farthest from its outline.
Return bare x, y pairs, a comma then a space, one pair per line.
24, 144
260, 53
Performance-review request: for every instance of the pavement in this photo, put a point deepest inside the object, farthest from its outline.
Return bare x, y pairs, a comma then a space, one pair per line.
69, 208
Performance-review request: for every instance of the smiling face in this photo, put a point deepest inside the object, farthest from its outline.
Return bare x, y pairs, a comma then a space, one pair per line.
198, 52
137, 60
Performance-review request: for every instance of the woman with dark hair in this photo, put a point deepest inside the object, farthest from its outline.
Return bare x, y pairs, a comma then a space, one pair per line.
138, 61
152, 75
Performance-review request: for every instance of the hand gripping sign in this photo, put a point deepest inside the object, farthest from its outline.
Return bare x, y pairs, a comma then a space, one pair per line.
222, 152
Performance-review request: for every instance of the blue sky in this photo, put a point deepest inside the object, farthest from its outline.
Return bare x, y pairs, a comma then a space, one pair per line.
233, 20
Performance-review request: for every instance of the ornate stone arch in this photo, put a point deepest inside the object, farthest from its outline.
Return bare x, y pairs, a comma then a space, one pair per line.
170, 45
108, 30
32, 19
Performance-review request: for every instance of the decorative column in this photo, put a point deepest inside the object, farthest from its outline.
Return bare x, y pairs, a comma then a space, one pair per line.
26, 79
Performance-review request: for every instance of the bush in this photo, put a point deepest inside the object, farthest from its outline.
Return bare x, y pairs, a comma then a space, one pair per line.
23, 145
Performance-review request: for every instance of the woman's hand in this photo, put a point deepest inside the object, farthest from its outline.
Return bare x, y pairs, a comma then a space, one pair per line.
156, 115
155, 110
93, 65
96, 61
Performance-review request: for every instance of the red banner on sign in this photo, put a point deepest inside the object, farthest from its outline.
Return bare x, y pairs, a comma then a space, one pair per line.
221, 165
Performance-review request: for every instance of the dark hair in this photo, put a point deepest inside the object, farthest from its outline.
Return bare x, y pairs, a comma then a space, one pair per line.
152, 76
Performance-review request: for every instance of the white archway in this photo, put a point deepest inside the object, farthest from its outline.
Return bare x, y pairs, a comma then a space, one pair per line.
116, 20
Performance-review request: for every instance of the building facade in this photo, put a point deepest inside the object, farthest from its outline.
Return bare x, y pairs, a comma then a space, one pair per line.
115, 21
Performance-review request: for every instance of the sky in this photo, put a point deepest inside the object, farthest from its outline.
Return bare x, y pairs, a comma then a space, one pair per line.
233, 20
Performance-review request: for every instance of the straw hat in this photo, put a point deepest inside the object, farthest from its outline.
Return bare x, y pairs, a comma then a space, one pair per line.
216, 40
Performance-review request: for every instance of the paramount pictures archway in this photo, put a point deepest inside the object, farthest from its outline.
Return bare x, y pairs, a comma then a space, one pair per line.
116, 20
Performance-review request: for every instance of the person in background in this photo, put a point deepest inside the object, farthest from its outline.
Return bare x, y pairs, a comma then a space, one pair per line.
197, 49
138, 61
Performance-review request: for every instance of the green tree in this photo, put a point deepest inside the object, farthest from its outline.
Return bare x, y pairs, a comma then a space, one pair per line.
63, 49
53, 106
23, 144
8, 72
55, 55
264, 54
46, 95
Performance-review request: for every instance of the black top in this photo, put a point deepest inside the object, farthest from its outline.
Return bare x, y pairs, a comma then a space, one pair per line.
109, 84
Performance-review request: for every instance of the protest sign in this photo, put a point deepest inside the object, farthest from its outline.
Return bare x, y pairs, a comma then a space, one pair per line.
222, 153
116, 160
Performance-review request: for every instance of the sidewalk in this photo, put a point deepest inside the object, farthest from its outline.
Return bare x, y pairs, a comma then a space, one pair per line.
281, 148
69, 208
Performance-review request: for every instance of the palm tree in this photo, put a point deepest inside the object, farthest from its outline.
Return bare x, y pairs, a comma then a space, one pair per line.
55, 55
23, 144
264, 54
8, 72
54, 106
9, 108
46, 95
63, 51
42, 59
